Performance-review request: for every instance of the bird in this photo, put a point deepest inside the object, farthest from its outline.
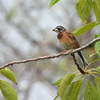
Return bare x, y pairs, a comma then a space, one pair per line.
68, 41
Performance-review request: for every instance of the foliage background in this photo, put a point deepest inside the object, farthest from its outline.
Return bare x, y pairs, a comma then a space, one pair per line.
26, 32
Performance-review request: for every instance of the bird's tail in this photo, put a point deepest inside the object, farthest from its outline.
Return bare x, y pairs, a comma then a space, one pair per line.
83, 59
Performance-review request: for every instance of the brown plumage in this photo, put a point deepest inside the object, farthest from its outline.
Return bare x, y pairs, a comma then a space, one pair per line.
68, 41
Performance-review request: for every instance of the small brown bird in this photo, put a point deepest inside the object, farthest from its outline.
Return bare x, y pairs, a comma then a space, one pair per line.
68, 41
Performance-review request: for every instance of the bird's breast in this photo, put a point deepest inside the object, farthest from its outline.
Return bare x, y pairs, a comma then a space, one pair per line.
66, 41
59, 36
66, 45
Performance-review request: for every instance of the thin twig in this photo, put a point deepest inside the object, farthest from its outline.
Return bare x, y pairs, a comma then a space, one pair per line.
78, 67
49, 57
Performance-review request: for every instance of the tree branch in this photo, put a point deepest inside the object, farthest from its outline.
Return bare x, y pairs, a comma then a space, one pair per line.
51, 56
78, 67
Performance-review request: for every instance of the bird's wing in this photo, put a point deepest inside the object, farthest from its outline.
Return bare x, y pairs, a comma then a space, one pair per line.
73, 40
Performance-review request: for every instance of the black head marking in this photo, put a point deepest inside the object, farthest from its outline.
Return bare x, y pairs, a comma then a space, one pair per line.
59, 29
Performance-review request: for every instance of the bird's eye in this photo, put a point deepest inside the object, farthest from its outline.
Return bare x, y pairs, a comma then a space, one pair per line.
59, 29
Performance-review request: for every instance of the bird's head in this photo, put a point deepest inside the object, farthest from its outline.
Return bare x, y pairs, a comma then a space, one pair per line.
59, 29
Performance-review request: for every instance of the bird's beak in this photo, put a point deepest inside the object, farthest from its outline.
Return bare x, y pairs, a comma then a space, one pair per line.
55, 30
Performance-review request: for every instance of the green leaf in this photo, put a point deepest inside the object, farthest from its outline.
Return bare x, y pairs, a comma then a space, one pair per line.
92, 55
97, 79
96, 11
97, 46
83, 10
97, 35
66, 80
7, 91
98, 69
89, 2
84, 28
56, 97
52, 2
91, 93
67, 92
98, 3
57, 82
75, 91
8, 74
94, 60
77, 1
